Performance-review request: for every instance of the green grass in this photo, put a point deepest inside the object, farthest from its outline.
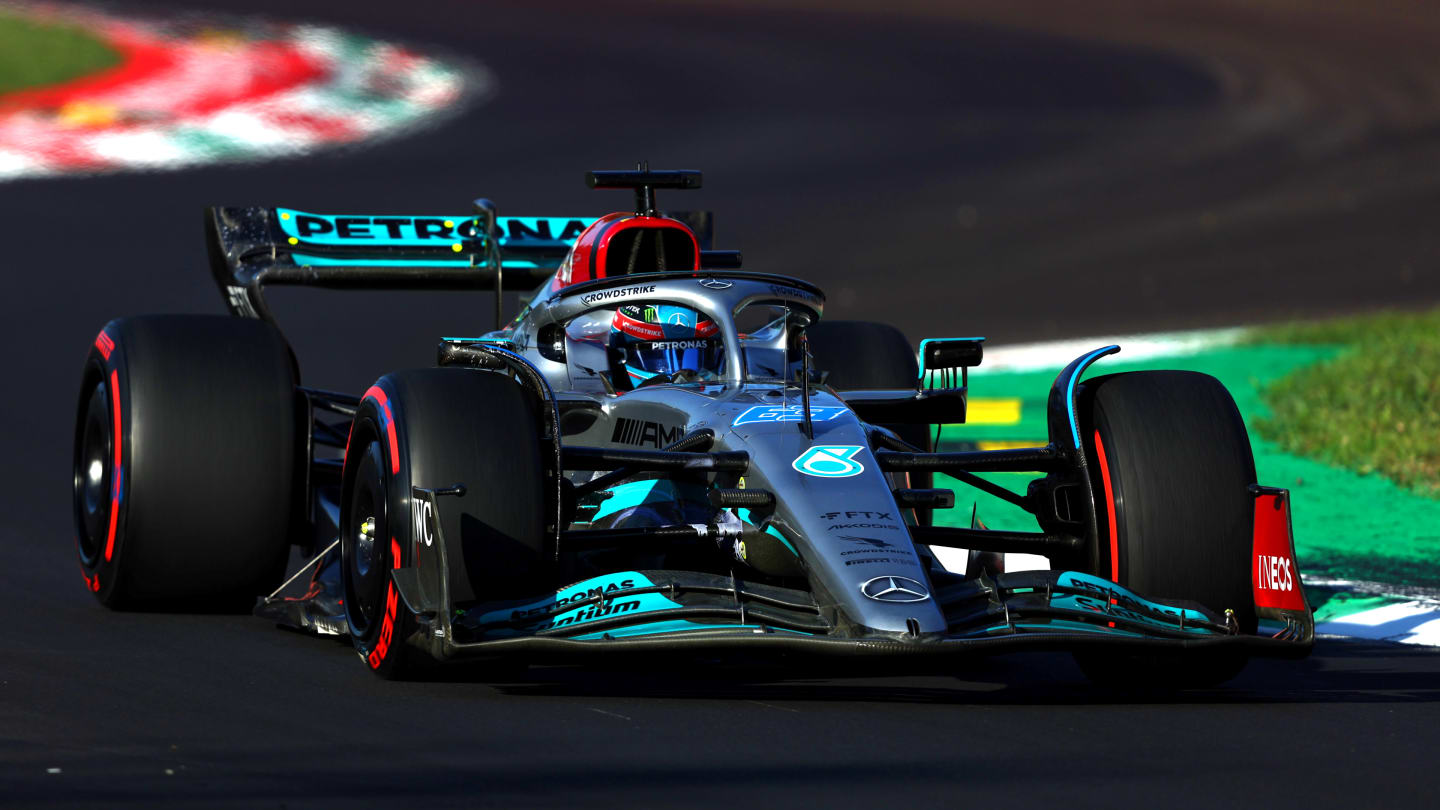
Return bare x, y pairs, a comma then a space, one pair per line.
34, 53
1374, 407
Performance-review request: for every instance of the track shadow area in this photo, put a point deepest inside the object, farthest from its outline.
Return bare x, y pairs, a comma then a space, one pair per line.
679, 732
1338, 672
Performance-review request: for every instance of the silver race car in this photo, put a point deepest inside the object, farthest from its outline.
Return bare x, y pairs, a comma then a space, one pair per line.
660, 452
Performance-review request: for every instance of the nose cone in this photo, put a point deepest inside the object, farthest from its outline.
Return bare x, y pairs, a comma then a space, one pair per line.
836, 506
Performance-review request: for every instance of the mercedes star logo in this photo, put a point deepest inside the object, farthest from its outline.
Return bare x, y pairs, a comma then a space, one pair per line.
894, 589
716, 283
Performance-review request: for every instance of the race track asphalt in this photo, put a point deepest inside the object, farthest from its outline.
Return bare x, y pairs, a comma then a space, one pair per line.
1021, 174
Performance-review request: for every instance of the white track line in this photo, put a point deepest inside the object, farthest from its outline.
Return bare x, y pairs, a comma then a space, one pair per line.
1406, 622
1056, 353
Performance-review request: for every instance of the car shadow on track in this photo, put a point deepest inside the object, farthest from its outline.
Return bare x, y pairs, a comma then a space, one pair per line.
1338, 672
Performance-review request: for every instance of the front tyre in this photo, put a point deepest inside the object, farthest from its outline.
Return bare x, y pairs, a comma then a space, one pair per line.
370, 549
435, 428
1171, 468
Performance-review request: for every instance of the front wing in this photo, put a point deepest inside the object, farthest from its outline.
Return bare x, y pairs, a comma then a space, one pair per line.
634, 611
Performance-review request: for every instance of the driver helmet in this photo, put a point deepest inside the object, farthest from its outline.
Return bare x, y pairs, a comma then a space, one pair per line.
655, 340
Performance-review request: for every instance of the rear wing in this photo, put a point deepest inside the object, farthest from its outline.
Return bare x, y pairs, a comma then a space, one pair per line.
251, 248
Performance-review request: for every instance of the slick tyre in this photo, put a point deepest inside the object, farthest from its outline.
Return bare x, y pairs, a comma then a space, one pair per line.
435, 428
186, 459
864, 354
1171, 467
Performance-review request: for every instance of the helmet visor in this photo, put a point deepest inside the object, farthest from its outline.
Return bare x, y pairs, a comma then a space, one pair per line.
646, 359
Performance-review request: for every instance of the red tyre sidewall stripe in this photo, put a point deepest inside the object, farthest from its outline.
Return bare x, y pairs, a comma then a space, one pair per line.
377, 393
116, 477
381, 651
1110, 506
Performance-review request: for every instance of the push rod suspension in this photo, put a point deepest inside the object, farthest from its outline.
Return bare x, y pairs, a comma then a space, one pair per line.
1025, 459
986, 540
610, 458
697, 441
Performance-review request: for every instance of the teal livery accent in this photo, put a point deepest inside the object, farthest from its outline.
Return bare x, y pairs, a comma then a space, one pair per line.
1126, 601
624, 604
681, 626
1127, 606
830, 461
771, 530
422, 230
776, 414
306, 260
1080, 366
1063, 624
744, 514
639, 493
1050, 627
921, 353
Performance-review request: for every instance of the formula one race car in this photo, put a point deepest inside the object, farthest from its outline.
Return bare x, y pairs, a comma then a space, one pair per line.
659, 453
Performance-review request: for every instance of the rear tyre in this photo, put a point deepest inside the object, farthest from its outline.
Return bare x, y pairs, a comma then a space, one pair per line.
864, 354
435, 428
186, 455
1171, 468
